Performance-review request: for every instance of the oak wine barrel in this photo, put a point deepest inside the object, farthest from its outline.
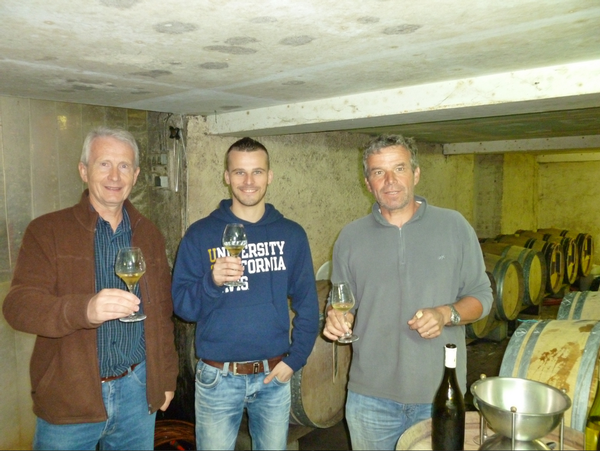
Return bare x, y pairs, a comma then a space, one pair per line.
580, 305
508, 276
568, 246
585, 247
553, 255
533, 264
418, 436
319, 388
485, 325
560, 353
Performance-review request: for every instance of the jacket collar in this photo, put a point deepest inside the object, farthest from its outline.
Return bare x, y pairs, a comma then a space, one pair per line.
87, 216
376, 211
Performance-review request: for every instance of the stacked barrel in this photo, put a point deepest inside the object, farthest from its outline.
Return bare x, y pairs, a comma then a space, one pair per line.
561, 352
529, 265
585, 247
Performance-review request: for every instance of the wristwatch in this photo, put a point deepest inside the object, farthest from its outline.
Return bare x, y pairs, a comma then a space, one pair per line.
454, 316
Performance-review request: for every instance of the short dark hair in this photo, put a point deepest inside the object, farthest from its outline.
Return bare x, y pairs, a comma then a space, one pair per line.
383, 141
246, 144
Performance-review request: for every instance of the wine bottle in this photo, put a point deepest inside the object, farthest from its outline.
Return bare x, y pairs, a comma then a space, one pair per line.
592, 426
448, 413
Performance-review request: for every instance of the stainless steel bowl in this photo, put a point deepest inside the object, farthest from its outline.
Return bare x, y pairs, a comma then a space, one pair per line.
539, 406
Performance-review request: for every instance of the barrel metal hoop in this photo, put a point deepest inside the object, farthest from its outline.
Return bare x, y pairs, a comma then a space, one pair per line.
529, 347
584, 379
579, 305
498, 274
297, 412
530, 331
565, 310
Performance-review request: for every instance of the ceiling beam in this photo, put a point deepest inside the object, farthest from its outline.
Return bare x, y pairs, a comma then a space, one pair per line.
590, 142
567, 86
571, 157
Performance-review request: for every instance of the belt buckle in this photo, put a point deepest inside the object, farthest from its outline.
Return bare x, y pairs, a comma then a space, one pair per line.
255, 368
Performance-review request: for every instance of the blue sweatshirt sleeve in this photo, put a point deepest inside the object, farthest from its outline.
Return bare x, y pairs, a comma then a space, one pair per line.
305, 304
193, 289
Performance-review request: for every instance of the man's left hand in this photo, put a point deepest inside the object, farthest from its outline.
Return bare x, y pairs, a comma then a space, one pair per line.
282, 371
428, 322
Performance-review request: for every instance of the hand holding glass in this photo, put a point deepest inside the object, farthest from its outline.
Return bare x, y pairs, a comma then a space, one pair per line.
234, 240
342, 300
130, 266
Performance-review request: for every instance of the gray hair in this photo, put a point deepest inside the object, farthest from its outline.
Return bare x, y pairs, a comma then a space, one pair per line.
119, 134
383, 141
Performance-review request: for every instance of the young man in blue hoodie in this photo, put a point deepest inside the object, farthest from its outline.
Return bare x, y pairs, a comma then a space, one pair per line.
242, 333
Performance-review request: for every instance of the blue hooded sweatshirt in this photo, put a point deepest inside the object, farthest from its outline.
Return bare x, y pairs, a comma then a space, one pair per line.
251, 322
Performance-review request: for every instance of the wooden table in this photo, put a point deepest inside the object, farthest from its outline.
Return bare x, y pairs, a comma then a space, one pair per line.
419, 435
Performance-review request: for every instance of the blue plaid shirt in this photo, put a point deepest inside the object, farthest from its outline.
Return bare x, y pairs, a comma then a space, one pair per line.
120, 344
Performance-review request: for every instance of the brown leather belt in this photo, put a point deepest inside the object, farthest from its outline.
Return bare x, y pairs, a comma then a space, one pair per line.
243, 368
112, 378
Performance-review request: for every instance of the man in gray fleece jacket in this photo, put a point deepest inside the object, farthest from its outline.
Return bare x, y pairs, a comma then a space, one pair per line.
418, 275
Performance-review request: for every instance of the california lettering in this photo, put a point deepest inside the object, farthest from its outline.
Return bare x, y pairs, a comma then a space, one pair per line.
257, 257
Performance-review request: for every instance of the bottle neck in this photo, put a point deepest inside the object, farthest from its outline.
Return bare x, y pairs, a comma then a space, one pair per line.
450, 357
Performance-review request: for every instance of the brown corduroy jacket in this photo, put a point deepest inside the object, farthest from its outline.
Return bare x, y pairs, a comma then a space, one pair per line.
54, 280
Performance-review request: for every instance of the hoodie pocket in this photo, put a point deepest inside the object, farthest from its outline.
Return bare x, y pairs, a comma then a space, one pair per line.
246, 327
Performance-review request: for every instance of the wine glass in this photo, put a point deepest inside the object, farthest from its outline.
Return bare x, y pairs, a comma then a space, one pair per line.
342, 300
130, 266
234, 240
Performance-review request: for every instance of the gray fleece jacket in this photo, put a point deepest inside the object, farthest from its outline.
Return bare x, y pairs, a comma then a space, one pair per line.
434, 259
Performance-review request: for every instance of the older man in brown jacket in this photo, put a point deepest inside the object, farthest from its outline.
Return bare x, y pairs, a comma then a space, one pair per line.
96, 381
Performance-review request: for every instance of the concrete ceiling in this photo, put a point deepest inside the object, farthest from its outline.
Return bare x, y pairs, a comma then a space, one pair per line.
439, 70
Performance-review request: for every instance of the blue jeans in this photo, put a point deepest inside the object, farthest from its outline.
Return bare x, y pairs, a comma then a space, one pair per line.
378, 423
221, 398
129, 425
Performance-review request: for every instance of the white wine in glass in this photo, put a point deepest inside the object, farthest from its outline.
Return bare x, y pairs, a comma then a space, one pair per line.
235, 251
342, 300
234, 240
131, 266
